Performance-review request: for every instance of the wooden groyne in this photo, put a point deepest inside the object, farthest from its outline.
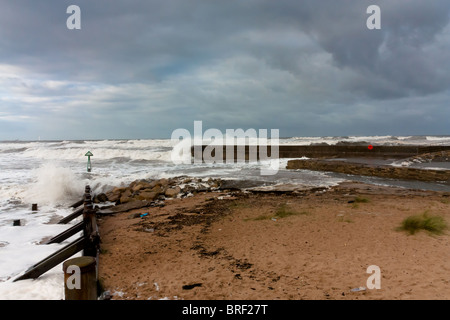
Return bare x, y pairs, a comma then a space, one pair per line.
313, 151
88, 243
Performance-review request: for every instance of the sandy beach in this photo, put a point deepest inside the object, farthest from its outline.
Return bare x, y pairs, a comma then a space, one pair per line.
311, 244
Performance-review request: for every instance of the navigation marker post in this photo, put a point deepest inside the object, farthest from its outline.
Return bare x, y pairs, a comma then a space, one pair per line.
89, 155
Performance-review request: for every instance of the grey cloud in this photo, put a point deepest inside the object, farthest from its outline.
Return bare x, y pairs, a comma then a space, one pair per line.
303, 65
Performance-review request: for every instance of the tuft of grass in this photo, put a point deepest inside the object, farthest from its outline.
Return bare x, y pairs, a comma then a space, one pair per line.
361, 200
355, 203
432, 224
282, 212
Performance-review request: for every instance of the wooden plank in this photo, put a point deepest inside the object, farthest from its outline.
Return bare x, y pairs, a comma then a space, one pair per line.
54, 259
71, 216
66, 234
77, 204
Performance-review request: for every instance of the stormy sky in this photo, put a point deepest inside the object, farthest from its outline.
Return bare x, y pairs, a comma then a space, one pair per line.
141, 69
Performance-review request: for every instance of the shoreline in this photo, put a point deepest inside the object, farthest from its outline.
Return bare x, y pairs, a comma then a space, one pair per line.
220, 244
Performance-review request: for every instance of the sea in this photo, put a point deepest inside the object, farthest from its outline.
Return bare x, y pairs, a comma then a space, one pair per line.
53, 174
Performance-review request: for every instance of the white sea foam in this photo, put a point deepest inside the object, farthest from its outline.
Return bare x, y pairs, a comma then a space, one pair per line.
439, 139
48, 287
379, 140
130, 152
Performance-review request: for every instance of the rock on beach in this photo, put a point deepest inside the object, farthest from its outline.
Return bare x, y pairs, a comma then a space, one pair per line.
161, 189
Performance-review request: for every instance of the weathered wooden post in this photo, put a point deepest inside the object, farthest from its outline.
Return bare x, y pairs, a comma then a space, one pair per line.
90, 226
81, 274
91, 234
80, 278
89, 242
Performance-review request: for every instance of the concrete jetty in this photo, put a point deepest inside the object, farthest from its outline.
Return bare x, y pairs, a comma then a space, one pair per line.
317, 151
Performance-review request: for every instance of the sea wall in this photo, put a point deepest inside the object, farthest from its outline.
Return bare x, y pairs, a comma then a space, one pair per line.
317, 151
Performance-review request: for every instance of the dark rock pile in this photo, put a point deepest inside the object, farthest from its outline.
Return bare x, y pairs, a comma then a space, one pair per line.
158, 190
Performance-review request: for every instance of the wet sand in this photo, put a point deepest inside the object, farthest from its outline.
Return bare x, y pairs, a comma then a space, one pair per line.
225, 245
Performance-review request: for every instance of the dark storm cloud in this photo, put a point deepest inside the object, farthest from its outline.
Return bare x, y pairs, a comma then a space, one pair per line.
151, 37
297, 65
405, 57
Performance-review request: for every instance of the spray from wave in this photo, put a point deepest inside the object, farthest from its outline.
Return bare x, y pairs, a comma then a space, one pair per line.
54, 185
